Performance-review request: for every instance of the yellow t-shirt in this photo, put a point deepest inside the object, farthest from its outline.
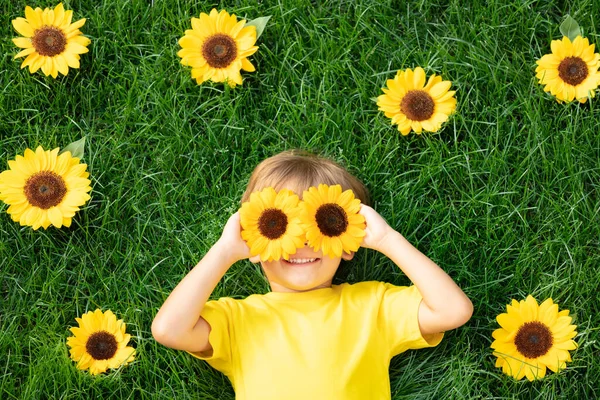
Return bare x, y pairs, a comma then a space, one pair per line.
332, 343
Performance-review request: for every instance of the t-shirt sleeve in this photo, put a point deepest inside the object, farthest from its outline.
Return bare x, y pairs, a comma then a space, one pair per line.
399, 319
217, 314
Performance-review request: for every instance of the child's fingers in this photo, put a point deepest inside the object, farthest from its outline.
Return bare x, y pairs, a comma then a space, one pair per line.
363, 208
369, 213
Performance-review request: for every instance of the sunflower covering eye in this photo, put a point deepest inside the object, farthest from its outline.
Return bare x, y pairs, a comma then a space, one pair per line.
271, 225
570, 72
100, 342
44, 188
532, 338
50, 41
331, 220
217, 47
414, 105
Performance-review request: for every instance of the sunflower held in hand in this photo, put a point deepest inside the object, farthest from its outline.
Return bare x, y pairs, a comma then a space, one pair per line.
271, 225
331, 220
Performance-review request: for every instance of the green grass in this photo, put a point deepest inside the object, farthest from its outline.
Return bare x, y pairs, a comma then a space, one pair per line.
504, 198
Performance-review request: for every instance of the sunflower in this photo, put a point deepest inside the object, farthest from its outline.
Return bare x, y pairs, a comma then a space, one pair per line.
217, 47
570, 72
271, 224
44, 188
332, 221
100, 342
50, 41
533, 338
412, 104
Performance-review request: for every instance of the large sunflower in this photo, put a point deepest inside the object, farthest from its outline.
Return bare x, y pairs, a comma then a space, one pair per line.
100, 342
44, 188
51, 42
533, 338
271, 225
414, 105
217, 47
570, 72
331, 219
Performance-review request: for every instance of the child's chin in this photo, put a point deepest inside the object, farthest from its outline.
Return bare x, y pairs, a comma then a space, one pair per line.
302, 285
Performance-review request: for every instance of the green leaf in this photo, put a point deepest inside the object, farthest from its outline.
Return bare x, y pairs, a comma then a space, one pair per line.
570, 28
259, 23
76, 148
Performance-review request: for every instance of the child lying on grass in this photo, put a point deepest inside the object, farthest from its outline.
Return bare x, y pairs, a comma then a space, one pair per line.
307, 338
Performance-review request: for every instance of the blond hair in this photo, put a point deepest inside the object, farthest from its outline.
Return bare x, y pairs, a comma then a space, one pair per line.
299, 170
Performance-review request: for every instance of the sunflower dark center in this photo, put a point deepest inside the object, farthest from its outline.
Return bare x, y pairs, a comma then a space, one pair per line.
45, 189
533, 339
101, 345
272, 223
573, 70
417, 105
49, 41
219, 50
331, 219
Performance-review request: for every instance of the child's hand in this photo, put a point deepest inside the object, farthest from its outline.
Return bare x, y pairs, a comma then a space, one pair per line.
232, 242
377, 230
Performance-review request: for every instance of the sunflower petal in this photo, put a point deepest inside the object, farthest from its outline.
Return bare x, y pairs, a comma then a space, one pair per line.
247, 65
25, 52
23, 27
419, 78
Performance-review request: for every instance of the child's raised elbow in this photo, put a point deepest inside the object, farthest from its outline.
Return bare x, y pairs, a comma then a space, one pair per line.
463, 312
161, 332
179, 337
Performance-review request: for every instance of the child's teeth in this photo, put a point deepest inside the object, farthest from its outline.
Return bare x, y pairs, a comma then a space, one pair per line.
301, 260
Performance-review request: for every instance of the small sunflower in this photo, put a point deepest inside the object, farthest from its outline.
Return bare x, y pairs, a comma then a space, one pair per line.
271, 225
570, 72
332, 221
414, 105
217, 47
51, 42
100, 342
44, 188
532, 338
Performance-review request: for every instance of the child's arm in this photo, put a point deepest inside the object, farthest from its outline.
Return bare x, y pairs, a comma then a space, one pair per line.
444, 305
178, 323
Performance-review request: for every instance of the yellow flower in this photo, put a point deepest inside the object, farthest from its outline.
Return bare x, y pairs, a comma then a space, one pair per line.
270, 224
331, 220
100, 342
570, 72
50, 41
44, 188
217, 47
414, 105
533, 338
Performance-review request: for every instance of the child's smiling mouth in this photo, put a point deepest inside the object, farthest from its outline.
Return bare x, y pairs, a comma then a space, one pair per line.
301, 261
